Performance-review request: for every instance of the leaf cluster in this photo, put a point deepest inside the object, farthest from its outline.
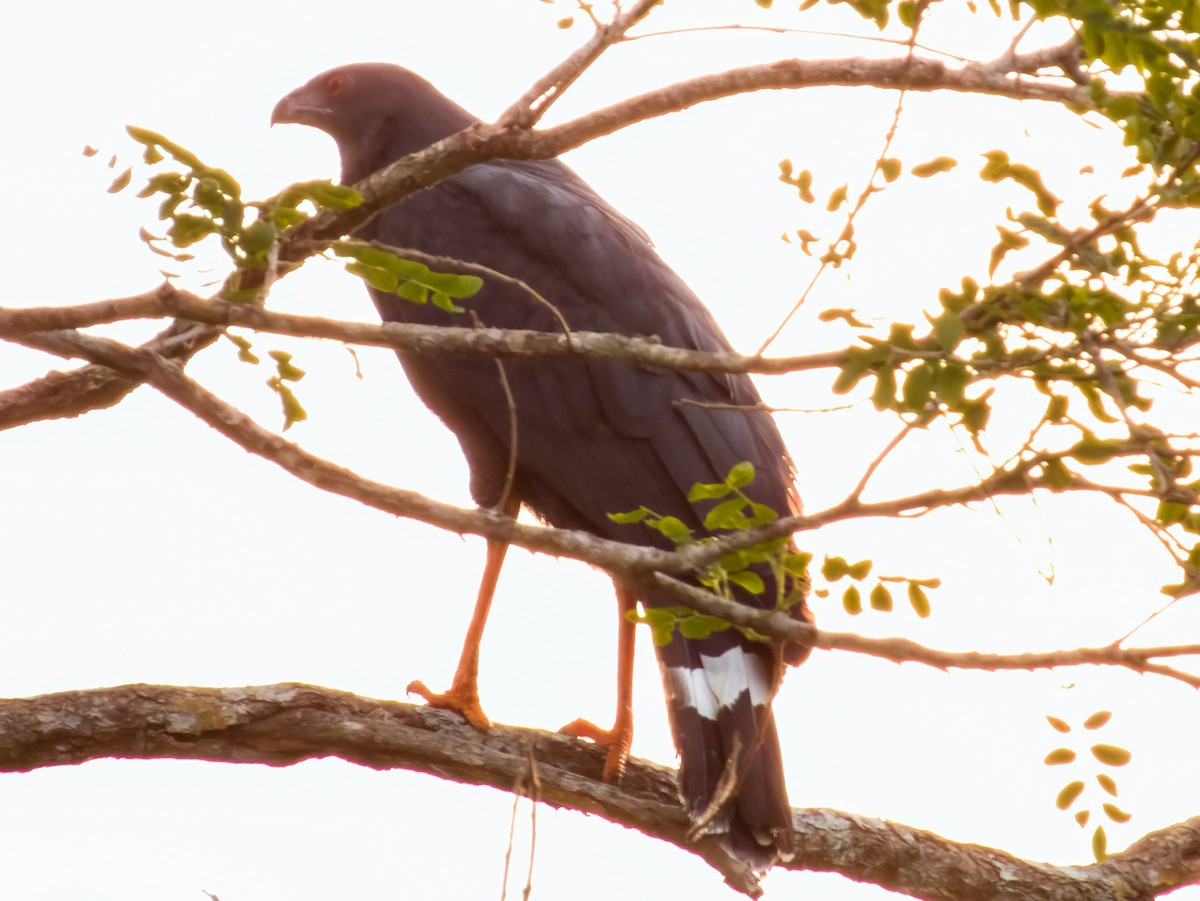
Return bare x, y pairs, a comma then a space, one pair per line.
386, 271
1107, 755
730, 509
200, 201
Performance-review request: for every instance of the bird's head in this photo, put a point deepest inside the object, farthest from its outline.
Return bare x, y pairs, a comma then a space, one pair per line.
377, 113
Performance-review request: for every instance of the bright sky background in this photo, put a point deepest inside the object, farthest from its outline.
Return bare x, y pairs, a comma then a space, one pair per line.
139, 546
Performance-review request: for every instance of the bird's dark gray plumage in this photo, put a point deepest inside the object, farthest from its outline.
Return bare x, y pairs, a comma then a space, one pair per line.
593, 438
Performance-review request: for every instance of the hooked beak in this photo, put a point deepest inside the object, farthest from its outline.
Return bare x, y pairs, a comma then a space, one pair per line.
297, 109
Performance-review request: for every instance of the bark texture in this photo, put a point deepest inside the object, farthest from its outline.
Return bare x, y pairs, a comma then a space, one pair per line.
283, 724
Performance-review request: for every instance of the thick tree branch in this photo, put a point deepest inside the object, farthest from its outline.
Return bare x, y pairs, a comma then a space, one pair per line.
280, 725
636, 565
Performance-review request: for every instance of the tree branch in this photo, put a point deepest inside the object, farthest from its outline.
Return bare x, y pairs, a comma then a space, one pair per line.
533, 104
280, 725
170, 301
71, 394
636, 565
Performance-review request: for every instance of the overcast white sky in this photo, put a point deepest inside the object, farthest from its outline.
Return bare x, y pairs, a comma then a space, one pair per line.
138, 546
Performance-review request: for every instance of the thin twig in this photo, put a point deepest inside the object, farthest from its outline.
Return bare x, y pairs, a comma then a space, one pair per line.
534, 103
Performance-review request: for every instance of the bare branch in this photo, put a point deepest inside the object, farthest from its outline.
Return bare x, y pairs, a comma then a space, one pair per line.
534, 103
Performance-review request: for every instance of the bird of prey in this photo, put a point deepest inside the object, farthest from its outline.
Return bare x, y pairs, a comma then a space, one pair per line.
574, 440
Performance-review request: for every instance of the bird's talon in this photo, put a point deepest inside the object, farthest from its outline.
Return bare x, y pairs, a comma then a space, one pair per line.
462, 700
617, 740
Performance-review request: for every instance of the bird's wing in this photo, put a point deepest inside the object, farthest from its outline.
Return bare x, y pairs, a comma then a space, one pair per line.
538, 221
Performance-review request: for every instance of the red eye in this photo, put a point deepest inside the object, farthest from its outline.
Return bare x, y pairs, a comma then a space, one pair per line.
335, 84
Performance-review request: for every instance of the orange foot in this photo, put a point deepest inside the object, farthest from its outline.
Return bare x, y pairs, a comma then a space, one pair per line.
617, 740
463, 699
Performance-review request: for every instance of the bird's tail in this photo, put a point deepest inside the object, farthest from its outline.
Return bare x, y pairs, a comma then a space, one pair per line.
719, 691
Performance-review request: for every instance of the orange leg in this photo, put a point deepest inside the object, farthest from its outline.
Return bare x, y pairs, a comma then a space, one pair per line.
463, 694
618, 739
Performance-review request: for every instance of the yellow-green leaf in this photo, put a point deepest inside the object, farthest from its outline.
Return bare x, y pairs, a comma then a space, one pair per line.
1069, 794
1111, 755
880, 598
934, 166
852, 600
1059, 756
837, 198
1116, 814
120, 182
1097, 719
918, 599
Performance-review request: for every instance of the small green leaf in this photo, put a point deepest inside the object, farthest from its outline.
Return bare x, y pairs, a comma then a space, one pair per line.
1100, 845
748, 580
884, 395
918, 600
443, 302
844, 314
1057, 724
834, 568
672, 527
661, 634
1170, 512
890, 168
837, 198
412, 291
257, 237
121, 182
1111, 755
1059, 756
934, 166
700, 625
1056, 474
702, 491
293, 412
379, 279
1056, 409
1097, 719
245, 354
1069, 794
727, 515
761, 514
1107, 783
632, 516
1116, 814
1092, 451
186, 230
949, 330
852, 600
283, 364
880, 598
741, 475
1082, 817
858, 360
860, 570
918, 387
